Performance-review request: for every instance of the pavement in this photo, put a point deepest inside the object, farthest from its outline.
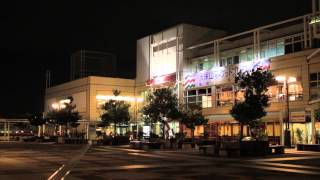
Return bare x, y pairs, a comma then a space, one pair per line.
43, 161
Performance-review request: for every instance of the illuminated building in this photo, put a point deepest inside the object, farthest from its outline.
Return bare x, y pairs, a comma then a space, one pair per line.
200, 65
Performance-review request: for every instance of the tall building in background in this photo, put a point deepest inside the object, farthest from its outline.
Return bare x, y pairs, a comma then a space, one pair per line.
86, 63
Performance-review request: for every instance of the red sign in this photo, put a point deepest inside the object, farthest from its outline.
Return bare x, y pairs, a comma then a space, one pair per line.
162, 79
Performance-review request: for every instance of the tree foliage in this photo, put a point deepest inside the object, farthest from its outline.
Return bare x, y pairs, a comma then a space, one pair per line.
66, 116
37, 119
192, 117
162, 106
255, 84
115, 112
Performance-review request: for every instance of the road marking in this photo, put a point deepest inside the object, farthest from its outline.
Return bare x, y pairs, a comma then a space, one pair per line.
291, 170
56, 172
286, 158
65, 169
289, 165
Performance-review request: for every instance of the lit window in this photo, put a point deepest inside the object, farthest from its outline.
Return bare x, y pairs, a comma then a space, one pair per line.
201, 97
224, 95
314, 85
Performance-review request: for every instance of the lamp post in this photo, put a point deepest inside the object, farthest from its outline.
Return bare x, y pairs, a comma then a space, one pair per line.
287, 133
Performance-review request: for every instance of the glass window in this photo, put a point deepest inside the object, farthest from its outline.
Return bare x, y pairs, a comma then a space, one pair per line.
201, 97
295, 91
249, 54
243, 55
278, 92
314, 86
192, 93
280, 47
272, 49
235, 59
313, 76
297, 46
224, 95
288, 48
229, 61
200, 66
293, 44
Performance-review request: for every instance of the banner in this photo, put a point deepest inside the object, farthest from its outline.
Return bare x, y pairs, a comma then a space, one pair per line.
221, 75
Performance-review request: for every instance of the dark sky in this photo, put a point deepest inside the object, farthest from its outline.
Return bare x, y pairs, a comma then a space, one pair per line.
40, 35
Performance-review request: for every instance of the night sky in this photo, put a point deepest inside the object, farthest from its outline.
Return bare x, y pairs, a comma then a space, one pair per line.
40, 35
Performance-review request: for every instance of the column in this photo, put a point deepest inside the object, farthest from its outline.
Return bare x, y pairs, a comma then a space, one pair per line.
281, 127
313, 128
8, 131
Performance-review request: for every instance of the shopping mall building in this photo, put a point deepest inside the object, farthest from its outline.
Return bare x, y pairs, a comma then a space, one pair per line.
200, 64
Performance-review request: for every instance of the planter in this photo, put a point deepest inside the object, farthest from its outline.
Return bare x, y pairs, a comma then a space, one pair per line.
254, 148
308, 147
136, 144
120, 140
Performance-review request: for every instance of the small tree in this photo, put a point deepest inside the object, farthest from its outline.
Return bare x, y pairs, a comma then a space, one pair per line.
162, 106
115, 112
192, 117
66, 116
37, 120
255, 84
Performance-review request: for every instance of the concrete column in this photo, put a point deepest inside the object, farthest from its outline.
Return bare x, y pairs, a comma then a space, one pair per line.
281, 127
8, 131
87, 130
5, 130
43, 129
313, 128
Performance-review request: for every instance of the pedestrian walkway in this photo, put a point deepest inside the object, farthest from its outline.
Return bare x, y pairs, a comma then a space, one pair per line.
107, 162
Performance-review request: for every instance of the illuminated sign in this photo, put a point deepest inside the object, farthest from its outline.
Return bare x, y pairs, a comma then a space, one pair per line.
162, 79
146, 131
219, 75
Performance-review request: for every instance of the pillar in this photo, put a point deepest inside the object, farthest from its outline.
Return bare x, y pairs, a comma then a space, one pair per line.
281, 127
8, 124
313, 128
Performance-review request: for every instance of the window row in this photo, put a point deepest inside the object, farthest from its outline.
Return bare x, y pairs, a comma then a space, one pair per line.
268, 49
228, 95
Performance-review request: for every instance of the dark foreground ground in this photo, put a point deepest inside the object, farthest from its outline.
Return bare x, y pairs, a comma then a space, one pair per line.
42, 161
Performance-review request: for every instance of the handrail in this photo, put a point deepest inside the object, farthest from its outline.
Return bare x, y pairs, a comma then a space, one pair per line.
252, 30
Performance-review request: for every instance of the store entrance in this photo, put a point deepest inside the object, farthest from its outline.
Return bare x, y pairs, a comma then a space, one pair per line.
301, 133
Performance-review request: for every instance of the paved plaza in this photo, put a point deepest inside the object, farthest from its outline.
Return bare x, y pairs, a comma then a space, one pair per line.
73, 162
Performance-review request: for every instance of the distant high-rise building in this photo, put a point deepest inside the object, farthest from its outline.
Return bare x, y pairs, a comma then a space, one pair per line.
92, 63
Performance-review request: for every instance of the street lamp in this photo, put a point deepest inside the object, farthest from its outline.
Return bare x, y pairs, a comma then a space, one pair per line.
286, 81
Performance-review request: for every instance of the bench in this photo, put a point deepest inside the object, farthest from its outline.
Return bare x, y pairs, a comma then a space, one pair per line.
276, 149
308, 147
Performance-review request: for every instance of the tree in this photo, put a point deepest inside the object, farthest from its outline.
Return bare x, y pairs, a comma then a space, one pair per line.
37, 120
115, 112
162, 107
66, 115
192, 117
255, 84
